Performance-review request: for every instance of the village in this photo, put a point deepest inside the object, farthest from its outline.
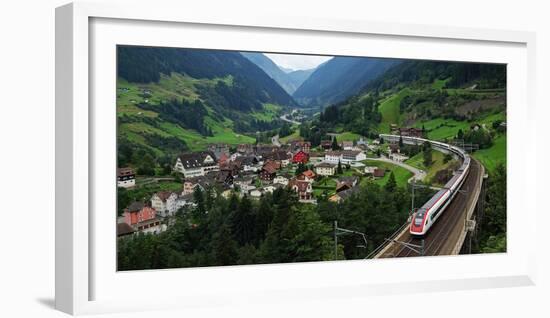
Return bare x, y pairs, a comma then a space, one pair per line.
331, 171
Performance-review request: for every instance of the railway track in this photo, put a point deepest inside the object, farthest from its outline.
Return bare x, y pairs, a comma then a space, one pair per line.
438, 240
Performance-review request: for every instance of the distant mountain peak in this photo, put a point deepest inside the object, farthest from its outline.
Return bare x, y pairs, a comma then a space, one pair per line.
289, 79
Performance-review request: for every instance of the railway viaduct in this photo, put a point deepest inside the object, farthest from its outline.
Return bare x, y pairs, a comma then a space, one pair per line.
453, 231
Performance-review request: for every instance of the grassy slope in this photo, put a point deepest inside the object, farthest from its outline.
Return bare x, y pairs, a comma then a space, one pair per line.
389, 109
437, 157
494, 155
269, 112
182, 87
439, 128
402, 175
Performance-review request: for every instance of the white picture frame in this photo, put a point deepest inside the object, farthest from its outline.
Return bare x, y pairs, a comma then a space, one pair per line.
84, 29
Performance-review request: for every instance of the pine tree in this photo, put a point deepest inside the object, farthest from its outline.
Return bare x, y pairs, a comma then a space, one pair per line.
391, 185
224, 246
335, 144
339, 170
243, 221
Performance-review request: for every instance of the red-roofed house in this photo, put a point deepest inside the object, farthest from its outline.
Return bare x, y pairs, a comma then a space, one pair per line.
300, 157
269, 170
307, 175
303, 189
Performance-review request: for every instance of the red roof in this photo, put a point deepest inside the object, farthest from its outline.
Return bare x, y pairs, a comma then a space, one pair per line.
300, 156
309, 174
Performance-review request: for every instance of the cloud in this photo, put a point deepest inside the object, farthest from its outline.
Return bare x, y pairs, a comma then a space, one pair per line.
297, 61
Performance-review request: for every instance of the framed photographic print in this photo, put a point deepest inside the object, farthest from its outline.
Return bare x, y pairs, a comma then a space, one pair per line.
220, 156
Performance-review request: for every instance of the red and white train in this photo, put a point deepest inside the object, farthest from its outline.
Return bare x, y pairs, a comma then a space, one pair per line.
426, 216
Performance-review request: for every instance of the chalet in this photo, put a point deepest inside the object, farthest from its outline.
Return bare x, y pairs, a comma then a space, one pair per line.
299, 145
300, 157
269, 171
232, 167
243, 182
280, 156
393, 148
362, 142
316, 157
196, 164
351, 181
225, 178
184, 200
303, 189
164, 203
369, 170
325, 169
245, 149
308, 176
142, 218
326, 144
343, 195
247, 163
190, 184
126, 178
263, 150
349, 156
280, 180
124, 229
411, 132
379, 173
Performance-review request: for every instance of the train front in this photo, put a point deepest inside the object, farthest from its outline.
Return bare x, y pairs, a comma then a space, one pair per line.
418, 223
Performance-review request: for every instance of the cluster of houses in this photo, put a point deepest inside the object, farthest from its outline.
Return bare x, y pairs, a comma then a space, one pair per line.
251, 170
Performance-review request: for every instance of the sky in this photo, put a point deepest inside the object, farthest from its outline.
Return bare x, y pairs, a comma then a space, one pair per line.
296, 61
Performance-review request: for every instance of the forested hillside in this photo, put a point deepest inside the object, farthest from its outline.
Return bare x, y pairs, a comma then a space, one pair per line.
340, 78
170, 100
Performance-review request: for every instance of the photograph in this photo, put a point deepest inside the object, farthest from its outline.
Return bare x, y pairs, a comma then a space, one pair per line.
247, 158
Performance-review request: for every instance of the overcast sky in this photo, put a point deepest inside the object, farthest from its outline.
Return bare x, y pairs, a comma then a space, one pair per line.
296, 61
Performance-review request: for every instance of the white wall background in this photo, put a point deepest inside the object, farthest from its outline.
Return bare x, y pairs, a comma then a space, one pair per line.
27, 158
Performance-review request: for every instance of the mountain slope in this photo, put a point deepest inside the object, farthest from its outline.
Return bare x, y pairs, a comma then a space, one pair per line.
170, 100
288, 79
340, 78
300, 76
146, 64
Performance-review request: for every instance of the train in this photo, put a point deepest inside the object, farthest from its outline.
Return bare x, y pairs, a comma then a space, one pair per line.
423, 218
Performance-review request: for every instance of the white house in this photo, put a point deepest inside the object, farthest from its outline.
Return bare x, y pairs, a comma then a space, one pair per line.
269, 189
325, 169
126, 178
370, 169
280, 180
196, 164
255, 194
349, 156
165, 203
333, 157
